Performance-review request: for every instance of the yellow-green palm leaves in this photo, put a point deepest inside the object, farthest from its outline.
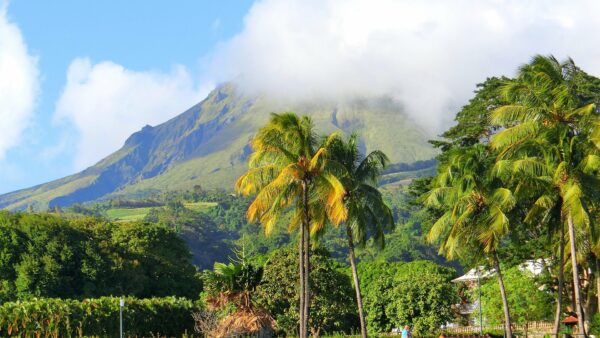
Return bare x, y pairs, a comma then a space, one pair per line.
286, 156
474, 205
290, 171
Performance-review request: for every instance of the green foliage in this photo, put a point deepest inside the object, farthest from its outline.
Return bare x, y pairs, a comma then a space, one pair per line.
43, 255
206, 238
418, 294
595, 324
526, 300
332, 302
237, 276
376, 281
472, 121
48, 317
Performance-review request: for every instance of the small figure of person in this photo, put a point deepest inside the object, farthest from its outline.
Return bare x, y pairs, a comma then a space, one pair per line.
406, 332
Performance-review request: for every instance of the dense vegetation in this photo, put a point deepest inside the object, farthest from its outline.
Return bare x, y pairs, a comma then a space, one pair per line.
418, 294
43, 255
333, 306
524, 161
49, 317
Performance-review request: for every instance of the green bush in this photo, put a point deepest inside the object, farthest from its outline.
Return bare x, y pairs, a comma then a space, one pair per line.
50, 317
595, 324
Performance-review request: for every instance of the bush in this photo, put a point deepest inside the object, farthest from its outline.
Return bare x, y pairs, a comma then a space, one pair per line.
50, 317
595, 325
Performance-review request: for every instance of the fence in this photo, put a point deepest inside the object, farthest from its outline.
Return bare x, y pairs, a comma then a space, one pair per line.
532, 328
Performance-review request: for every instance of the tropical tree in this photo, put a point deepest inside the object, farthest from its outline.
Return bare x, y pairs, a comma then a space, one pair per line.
475, 209
367, 212
289, 171
528, 302
550, 141
331, 292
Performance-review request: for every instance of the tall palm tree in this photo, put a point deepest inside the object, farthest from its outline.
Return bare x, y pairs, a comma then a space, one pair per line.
475, 210
367, 212
548, 122
288, 170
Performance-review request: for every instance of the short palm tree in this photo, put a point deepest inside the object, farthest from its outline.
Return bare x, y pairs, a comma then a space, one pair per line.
548, 123
233, 284
475, 209
367, 212
289, 171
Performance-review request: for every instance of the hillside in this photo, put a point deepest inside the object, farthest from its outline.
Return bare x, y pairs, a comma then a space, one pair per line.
207, 145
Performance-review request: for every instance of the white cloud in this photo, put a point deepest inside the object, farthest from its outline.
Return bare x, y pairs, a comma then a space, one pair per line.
428, 54
107, 102
18, 83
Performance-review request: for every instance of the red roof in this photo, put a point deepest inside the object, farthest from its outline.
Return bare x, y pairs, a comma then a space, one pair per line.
570, 320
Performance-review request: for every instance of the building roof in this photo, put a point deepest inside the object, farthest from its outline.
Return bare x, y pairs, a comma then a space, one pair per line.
570, 320
471, 275
534, 266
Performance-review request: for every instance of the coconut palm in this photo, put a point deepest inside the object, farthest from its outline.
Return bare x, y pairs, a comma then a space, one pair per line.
548, 123
367, 212
475, 210
288, 171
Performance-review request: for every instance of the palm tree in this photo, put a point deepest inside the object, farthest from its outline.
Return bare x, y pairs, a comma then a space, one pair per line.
289, 171
549, 123
474, 208
367, 212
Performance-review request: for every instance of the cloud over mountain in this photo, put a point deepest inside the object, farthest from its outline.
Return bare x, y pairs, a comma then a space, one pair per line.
106, 102
428, 54
18, 83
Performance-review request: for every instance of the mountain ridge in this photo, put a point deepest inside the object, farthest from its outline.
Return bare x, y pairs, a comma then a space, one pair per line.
208, 143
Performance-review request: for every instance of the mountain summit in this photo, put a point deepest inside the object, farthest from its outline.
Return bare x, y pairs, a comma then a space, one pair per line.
208, 144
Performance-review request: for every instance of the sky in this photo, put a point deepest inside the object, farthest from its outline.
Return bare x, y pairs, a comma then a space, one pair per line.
78, 77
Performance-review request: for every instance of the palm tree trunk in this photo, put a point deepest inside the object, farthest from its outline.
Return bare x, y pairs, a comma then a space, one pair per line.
302, 332
306, 225
361, 313
307, 280
507, 321
576, 291
561, 280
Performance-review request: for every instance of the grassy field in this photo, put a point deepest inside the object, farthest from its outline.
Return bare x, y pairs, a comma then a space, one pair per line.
127, 214
136, 214
199, 206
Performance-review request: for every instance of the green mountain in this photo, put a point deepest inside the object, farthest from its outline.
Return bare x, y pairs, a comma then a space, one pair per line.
207, 145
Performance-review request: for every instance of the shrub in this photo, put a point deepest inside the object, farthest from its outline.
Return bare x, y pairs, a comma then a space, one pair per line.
51, 317
595, 324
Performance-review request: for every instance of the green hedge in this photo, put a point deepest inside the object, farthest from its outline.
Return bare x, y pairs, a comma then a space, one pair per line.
50, 317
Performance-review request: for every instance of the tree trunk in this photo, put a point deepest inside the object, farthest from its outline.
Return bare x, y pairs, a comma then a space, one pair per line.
302, 332
306, 225
576, 290
361, 313
307, 281
561, 280
507, 321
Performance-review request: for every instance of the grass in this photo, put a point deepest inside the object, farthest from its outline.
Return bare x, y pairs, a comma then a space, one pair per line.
199, 206
137, 214
127, 214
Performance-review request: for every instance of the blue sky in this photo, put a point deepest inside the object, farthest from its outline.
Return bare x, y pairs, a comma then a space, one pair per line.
78, 77
139, 35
